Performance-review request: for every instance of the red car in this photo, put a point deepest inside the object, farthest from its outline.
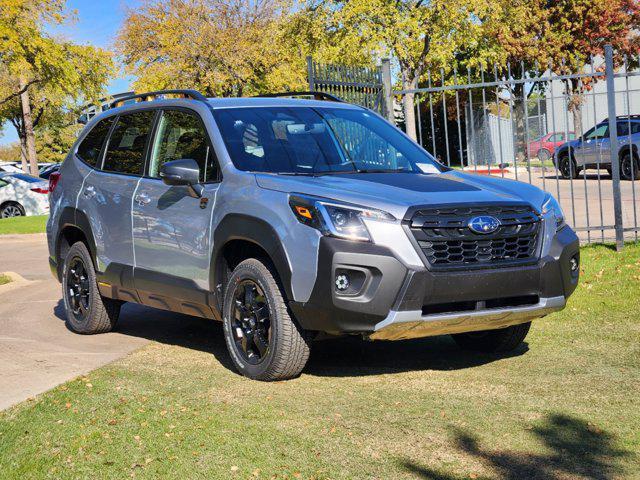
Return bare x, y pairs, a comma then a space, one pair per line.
543, 147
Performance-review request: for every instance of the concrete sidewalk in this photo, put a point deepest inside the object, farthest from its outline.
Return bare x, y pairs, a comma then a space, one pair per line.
37, 351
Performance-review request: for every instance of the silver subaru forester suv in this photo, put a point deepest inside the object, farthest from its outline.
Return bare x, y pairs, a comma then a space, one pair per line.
286, 218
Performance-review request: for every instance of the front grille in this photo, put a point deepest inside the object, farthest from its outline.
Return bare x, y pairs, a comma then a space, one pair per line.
446, 241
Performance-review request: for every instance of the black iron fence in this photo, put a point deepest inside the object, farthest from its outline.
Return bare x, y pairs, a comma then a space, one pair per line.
360, 85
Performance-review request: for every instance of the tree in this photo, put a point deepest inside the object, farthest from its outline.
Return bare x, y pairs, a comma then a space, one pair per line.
39, 73
420, 35
228, 47
219, 47
581, 30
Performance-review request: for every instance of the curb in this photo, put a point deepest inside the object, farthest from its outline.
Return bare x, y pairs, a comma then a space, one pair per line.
17, 281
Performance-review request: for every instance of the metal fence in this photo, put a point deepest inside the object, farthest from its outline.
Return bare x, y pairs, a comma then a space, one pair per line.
498, 124
360, 85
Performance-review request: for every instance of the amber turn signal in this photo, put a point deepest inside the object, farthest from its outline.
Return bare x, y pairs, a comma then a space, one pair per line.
303, 212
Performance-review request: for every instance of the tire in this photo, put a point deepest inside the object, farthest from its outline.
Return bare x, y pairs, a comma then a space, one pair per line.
543, 155
11, 209
493, 341
264, 342
567, 167
629, 167
86, 310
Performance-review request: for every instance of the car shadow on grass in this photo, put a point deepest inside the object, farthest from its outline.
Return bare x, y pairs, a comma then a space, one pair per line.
340, 357
576, 449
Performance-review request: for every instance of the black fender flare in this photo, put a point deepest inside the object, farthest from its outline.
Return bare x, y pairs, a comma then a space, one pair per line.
255, 230
72, 217
625, 148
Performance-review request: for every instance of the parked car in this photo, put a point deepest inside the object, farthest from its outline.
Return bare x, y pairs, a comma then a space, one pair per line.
544, 147
10, 167
286, 218
22, 194
45, 172
593, 150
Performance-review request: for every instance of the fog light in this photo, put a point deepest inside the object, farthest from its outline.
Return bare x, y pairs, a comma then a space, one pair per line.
342, 282
574, 265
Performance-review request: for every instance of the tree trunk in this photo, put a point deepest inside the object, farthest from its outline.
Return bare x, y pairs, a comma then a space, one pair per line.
27, 119
576, 99
409, 106
23, 154
520, 114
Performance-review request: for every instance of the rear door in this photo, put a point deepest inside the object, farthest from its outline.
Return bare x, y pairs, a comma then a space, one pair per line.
107, 194
171, 227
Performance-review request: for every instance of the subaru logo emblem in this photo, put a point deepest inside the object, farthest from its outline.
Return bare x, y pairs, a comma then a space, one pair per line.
484, 224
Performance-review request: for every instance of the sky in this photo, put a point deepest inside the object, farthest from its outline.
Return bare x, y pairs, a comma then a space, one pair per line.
97, 24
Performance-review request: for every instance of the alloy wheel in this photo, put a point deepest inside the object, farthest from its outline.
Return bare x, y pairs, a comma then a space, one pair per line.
251, 323
11, 211
629, 168
78, 288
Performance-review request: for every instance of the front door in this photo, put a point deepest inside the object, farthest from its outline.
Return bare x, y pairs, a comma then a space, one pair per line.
171, 227
589, 151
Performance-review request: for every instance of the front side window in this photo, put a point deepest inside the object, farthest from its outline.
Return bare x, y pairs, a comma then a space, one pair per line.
125, 151
89, 149
181, 135
303, 140
600, 131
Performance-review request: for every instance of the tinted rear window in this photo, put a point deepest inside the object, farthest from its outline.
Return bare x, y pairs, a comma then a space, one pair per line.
125, 152
89, 149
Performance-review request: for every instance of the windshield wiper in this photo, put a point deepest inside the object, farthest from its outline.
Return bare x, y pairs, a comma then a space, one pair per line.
383, 170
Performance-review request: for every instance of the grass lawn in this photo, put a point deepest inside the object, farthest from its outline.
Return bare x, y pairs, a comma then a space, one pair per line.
4, 279
35, 224
567, 405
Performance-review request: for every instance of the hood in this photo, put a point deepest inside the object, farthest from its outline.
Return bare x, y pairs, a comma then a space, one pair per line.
396, 192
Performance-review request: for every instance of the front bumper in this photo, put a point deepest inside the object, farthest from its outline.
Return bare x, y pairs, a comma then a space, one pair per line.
413, 324
388, 300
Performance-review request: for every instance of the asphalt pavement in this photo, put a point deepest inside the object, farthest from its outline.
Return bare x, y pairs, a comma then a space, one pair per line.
38, 352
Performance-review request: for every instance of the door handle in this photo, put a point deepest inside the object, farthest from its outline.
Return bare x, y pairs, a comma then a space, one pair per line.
142, 199
89, 191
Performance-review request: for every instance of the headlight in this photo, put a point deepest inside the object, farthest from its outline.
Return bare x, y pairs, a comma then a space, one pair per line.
551, 205
336, 219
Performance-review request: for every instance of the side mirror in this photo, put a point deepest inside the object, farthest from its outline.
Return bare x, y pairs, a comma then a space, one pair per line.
184, 172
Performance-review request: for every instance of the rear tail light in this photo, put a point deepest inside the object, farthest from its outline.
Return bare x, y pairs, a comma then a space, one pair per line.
54, 178
40, 190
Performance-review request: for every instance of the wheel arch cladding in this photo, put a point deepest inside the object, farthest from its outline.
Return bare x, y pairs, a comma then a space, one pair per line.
232, 231
625, 148
73, 226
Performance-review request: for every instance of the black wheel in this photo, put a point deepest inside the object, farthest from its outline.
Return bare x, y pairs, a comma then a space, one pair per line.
493, 341
11, 209
543, 155
87, 311
568, 167
263, 340
629, 167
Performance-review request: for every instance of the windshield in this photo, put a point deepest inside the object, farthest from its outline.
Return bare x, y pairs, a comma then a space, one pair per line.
303, 140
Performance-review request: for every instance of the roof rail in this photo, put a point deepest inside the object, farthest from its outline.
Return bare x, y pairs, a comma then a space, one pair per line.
316, 95
145, 97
